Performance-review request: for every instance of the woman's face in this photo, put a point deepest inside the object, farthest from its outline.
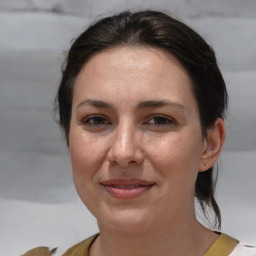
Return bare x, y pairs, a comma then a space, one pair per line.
135, 139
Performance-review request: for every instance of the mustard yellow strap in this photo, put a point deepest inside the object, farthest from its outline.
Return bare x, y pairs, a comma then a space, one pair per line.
223, 246
40, 251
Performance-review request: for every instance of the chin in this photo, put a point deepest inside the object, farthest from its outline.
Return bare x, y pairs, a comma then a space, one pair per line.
128, 221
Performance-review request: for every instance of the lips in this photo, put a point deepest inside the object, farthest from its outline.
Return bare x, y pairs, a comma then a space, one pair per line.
126, 189
128, 186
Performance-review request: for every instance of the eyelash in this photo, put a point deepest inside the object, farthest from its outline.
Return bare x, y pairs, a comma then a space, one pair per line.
160, 121
98, 121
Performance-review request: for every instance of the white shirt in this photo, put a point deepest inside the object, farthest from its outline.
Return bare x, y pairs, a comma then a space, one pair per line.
241, 250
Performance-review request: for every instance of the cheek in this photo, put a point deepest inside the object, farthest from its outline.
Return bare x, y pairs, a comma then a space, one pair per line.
176, 155
87, 158
86, 155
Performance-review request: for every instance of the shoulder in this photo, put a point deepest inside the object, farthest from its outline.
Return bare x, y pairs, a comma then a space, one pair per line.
82, 248
40, 251
226, 245
243, 250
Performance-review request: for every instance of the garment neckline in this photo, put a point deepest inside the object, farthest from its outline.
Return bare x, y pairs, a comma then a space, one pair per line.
223, 246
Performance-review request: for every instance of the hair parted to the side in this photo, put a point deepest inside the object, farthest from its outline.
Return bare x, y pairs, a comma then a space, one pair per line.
154, 29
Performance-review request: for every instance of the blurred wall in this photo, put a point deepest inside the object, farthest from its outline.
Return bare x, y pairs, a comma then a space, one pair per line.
34, 35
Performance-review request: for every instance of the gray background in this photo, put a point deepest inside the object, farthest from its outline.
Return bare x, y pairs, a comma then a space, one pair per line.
38, 204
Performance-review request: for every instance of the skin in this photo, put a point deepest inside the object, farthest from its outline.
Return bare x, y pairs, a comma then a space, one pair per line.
134, 116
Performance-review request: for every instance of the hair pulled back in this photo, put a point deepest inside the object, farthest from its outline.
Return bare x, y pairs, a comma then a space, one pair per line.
154, 29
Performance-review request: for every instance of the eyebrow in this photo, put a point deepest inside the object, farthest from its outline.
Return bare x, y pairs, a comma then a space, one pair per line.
95, 103
141, 105
159, 103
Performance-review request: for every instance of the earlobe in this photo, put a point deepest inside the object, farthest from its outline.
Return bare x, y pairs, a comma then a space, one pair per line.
213, 145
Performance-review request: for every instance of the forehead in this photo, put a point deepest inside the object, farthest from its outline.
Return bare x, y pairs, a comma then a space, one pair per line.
133, 72
138, 58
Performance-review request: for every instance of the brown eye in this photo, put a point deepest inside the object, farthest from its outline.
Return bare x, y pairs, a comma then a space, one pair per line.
160, 120
95, 121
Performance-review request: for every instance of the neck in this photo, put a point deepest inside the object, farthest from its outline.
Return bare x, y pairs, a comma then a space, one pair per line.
179, 239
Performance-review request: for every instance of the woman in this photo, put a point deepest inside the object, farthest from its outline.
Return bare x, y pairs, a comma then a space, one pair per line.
141, 103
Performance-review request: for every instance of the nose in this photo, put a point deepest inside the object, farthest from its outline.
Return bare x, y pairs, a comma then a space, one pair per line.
126, 146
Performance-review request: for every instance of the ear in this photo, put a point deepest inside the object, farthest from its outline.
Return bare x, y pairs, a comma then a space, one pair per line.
212, 145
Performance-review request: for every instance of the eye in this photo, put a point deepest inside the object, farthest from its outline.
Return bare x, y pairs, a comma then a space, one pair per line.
160, 121
95, 121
